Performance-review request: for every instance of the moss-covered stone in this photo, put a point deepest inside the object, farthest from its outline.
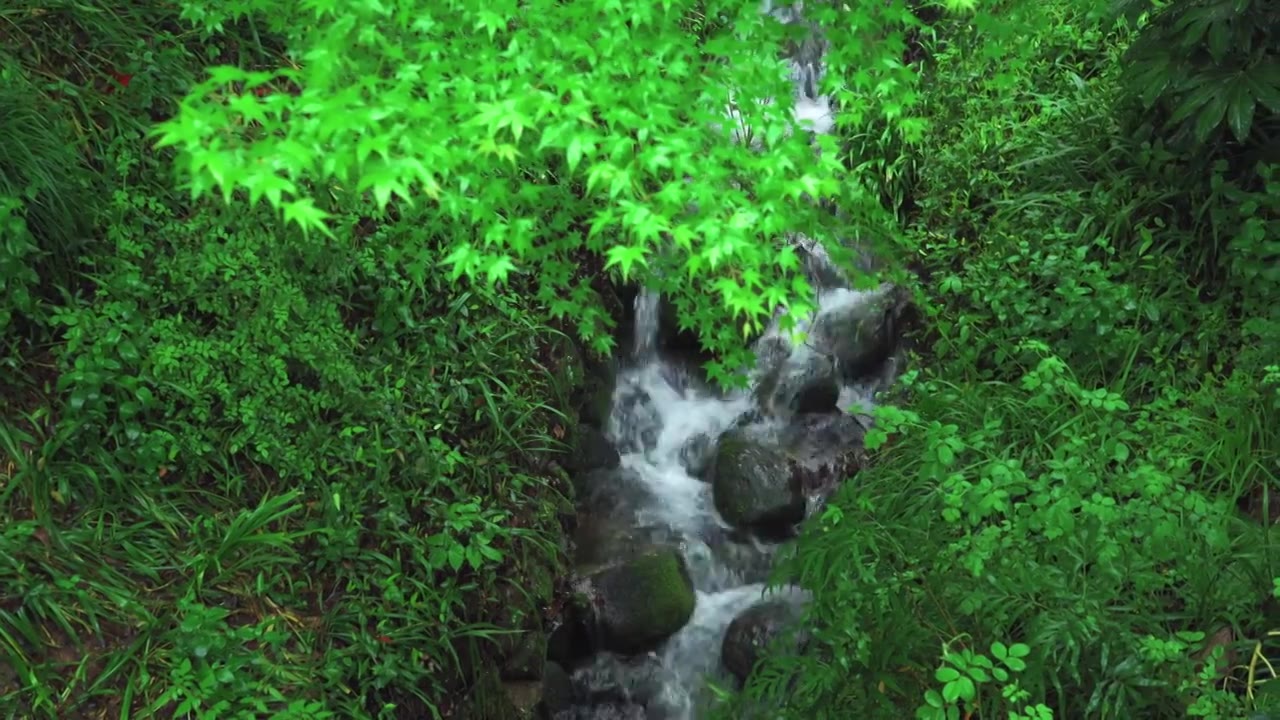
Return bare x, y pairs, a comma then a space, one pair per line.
643, 601
753, 484
528, 658
594, 401
568, 371
557, 689
590, 450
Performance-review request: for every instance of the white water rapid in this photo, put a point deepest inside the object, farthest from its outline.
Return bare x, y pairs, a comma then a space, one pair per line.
665, 422
662, 419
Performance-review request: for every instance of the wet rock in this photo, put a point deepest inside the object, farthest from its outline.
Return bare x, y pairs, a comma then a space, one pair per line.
828, 450
612, 493
862, 333
640, 602
754, 484
752, 631
828, 266
603, 540
820, 395
591, 450
741, 553
824, 436
569, 644
557, 690
806, 382
697, 454
621, 680
636, 418
525, 696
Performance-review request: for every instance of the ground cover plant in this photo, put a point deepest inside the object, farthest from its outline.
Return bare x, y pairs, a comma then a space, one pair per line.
295, 296
1089, 429
245, 472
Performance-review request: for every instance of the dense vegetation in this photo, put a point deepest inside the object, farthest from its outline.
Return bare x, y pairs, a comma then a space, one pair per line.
278, 429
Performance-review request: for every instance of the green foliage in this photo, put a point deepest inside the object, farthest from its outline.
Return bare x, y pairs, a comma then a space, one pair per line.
1085, 461
244, 471
296, 469
1215, 66
536, 131
39, 194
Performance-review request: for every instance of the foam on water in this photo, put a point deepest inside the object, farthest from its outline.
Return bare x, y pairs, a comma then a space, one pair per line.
659, 410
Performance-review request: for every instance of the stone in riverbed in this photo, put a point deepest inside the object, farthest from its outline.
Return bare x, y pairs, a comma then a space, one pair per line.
755, 485
591, 450
639, 603
752, 631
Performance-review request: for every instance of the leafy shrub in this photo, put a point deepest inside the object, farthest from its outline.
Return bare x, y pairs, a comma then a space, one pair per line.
320, 449
1081, 463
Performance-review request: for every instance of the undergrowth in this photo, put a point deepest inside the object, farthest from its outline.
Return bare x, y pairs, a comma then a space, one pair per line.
244, 472
249, 471
1071, 512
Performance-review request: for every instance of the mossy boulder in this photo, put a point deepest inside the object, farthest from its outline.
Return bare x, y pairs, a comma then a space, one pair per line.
639, 603
590, 450
753, 630
603, 540
593, 397
754, 484
557, 690
864, 332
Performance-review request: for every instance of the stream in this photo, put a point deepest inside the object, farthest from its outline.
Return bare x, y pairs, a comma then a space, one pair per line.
809, 403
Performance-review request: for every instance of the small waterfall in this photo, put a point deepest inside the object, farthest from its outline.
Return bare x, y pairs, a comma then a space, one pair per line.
665, 421
648, 306
661, 409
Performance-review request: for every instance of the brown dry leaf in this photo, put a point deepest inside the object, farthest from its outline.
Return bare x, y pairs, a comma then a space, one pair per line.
1223, 639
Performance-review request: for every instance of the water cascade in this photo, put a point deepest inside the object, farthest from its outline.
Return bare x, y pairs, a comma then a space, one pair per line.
706, 481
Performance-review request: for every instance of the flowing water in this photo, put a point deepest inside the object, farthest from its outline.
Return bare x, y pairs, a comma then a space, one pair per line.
661, 409
664, 422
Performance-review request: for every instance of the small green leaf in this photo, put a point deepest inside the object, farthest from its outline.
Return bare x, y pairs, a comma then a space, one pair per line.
307, 216
1240, 112
1211, 115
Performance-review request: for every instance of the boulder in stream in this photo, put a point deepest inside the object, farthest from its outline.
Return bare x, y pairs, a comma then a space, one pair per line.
610, 492
696, 455
862, 333
752, 631
755, 485
602, 540
590, 450
804, 383
640, 602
